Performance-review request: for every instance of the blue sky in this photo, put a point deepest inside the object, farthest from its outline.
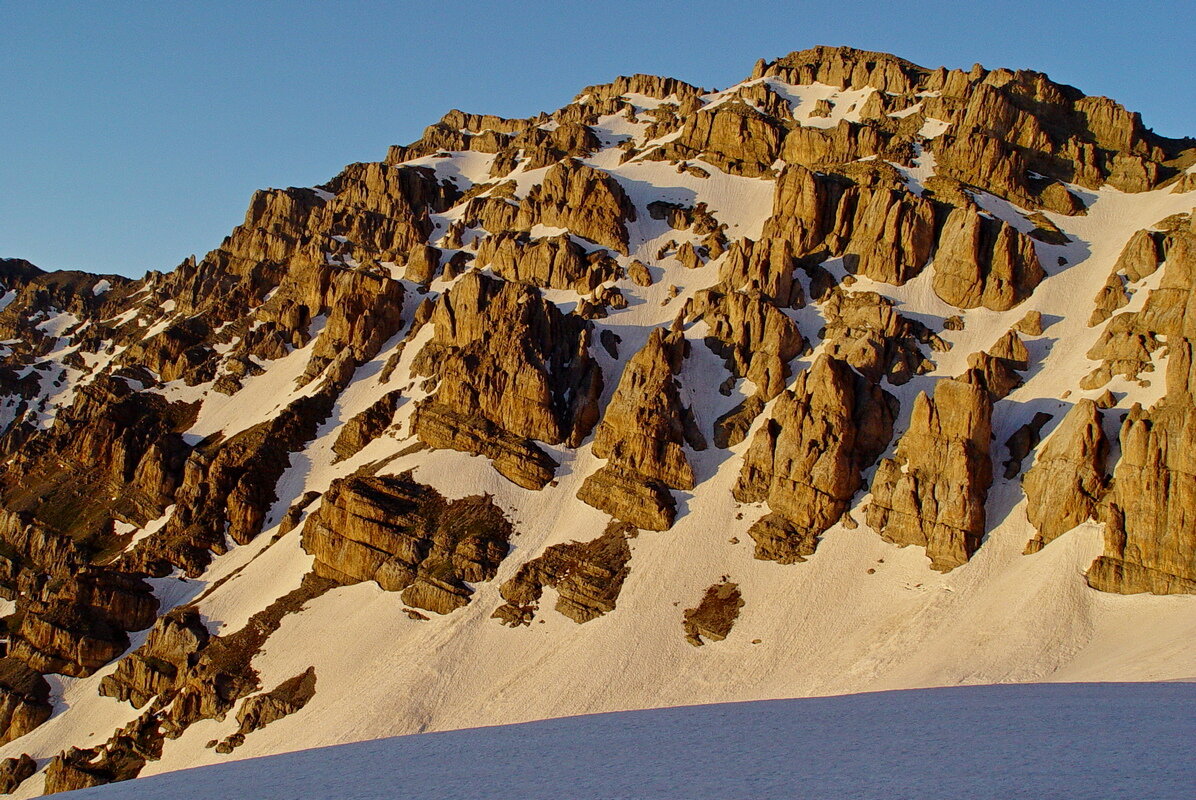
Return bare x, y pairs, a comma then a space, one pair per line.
134, 133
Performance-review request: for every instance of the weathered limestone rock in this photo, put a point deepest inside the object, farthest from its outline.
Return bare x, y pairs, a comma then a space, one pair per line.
363, 428
493, 398
120, 758
715, 615
887, 234
14, 771
732, 136
1150, 535
754, 337
1139, 258
1023, 441
1030, 325
845, 67
765, 267
286, 698
778, 539
24, 700
982, 261
1109, 298
846, 142
64, 638
556, 262
865, 330
639, 274
228, 488
516, 458
1064, 486
732, 428
1045, 230
364, 311
1001, 364
588, 202
294, 514
978, 158
642, 436
222, 672
423, 264
805, 461
932, 493
587, 576
802, 209
407, 538
1128, 343
628, 495
534, 147
121, 447
160, 665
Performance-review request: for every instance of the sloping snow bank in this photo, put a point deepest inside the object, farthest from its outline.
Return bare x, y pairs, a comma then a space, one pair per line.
1013, 741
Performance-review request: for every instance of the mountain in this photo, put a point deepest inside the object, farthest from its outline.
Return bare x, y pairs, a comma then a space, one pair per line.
853, 376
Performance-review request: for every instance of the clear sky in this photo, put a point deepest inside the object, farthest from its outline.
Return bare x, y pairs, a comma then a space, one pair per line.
133, 134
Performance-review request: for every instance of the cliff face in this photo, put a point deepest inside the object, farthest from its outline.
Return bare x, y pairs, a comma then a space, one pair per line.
607, 359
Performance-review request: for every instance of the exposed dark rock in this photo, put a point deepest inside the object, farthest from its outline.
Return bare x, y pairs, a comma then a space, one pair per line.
932, 493
24, 700
366, 426
714, 617
260, 710
14, 771
806, 461
587, 576
408, 538
1067, 480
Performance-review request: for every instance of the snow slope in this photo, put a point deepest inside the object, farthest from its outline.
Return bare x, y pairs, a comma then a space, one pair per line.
1032, 741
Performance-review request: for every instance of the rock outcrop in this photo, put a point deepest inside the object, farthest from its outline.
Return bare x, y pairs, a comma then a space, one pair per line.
1065, 485
1149, 540
363, 428
806, 461
587, 577
511, 368
1128, 343
407, 538
150, 426
983, 261
932, 492
14, 772
259, 710
755, 338
734, 136
642, 436
586, 201
1001, 364
555, 262
865, 330
24, 700
228, 488
120, 758
161, 664
712, 619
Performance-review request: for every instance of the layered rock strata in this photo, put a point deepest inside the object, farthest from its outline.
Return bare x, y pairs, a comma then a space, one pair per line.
407, 538
587, 577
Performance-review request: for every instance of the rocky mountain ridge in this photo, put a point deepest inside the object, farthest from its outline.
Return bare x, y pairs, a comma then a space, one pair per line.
662, 340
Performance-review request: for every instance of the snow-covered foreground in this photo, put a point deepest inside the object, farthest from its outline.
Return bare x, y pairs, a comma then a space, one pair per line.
1013, 741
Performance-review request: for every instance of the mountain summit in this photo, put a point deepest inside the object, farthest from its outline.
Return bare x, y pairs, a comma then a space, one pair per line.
855, 375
